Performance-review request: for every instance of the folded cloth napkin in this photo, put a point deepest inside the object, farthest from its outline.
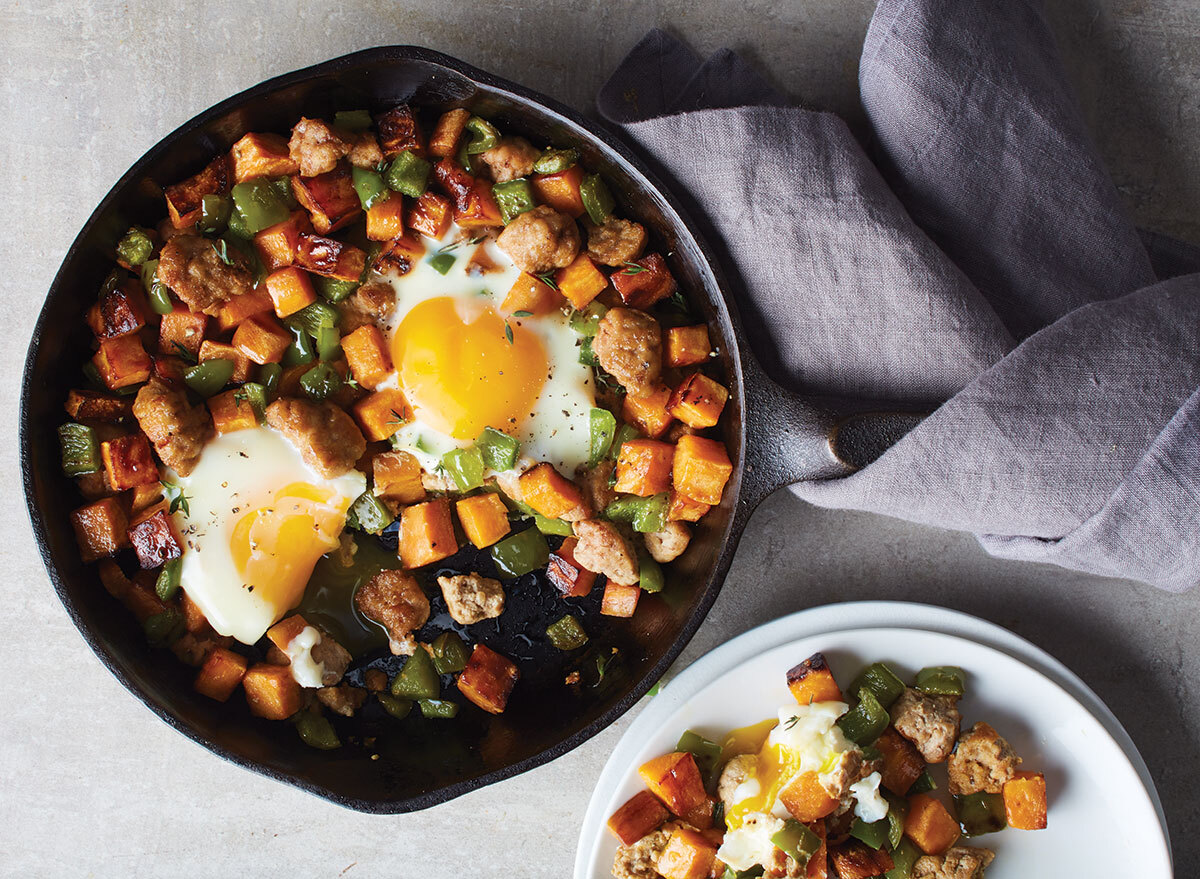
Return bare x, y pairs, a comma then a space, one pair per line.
983, 261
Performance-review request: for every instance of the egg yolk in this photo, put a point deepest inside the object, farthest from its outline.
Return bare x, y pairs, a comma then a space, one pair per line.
462, 373
275, 547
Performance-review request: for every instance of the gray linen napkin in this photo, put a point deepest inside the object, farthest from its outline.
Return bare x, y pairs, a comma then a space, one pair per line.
983, 259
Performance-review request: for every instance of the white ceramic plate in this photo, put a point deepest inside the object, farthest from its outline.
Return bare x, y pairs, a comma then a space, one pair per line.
1092, 770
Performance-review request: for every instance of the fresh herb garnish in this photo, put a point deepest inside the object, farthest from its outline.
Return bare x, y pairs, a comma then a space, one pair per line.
240, 396
508, 333
522, 314
680, 303
179, 500
187, 355
548, 280
792, 721
632, 268
222, 250
397, 418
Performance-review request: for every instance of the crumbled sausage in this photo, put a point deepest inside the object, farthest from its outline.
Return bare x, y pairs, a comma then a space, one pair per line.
638, 861
929, 722
602, 548
369, 304
616, 242
669, 543
628, 344
851, 768
196, 273
596, 485
781, 865
678, 429
332, 656
177, 429
735, 772
472, 598
376, 680
316, 147
343, 699
959, 862
983, 761
540, 240
366, 152
395, 600
510, 158
328, 439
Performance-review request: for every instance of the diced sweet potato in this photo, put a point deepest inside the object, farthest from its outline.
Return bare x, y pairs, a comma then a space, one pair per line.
282, 633
184, 198
651, 282
531, 294
271, 691
857, 860
122, 361
806, 799
385, 218
154, 537
812, 681
684, 509
329, 198
181, 331
262, 339
550, 493
397, 477
331, 258
818, 864
455, 180
688, 855
484, 518
85, 405
221, 673
430, 215
686, 346
448, 132
568, 576
193, 617
561, 190
277, 245
231, 410
210, 350
929, 825
649, 413
488, 679
641, 814
367, 353
620, 600
399, 131
701, 817
581, 281
675, 779
139, 599
698, 401
701, 468
244, 307
119, 312
644, 467
399, 255
128, 461
262, 155
100, 528
113, 578
902, 762
1025, 800
479, 208
290, 289
426, 534
382, 413
143, 496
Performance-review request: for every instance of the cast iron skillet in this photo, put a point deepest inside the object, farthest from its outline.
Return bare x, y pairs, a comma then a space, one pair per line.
774, 438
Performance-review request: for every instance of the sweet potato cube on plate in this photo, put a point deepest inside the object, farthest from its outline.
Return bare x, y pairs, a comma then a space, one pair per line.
529, 293
581, 281
478, 208
399, 255
641, 814
812, 681
184, 198
683, 509
397, 477
232, 410
244, 307
688, 855
430, 215
331, 258
455, 180
271, 691
698, 401
549, 492
426, 534
484, 518
277, 245
806, 799
686, 346
154, 537
619, 600
385, 218
644, 467
399, 131
367, 354
220, 675
119, 312
929, 825
444, 140
649, 283
1025, 800
649, 413
818, 864
210, 350
857, 860
100, 528
262, 155
701, 468
180, 331
902, 762
128, 461
567, 575
329, 198
262, 338
561, 190
290, 289
84, 405
675, 779
122, 361
382, 413
488, 679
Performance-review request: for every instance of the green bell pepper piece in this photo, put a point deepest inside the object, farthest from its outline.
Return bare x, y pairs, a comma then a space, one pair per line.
329, 343
316, 731
514, 197
904, 856
254, 394
705, 752
923, 785
156, 291
167, 583
587, 322
650, 572
369, 185
333, 289
314, 316
269, 375
258, 205
440, 709
441, 262
586, 355
881, 681
164, 628
597, 200
352, 120
941, 680
553, 161
464, 159
652, 513
557, 527
499, 450
863, 723
602, 426
368, 514
283, 188
408, 174
874, 834
897, 812
464, 467
214, 214
623, 509
237, 227
320, 382
980, 813
398, 708
418, 679
521, 553
449, 653
209, 377
566, 633
797, 841
301, 350
135, 247
484, 136
625, 433
80, 450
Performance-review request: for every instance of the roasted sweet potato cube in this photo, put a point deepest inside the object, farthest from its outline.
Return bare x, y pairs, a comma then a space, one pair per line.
550, 493
284, 632
244, 307
119, 312
806, 799
686, 346
455, 180
581, 281
684, 509
262, 155
331, 258
143, 496
122, 361
812, 681
430, 215
221, 673
426, 534
484, 518
367, 354
398, 131
113, 578
382, 413
644, 467
262, 338
184, 198
688, 855
180, 331
698, 401
397, 477
399, 255
385, 218
84, 405
641, 815
857, 860
701, 468
568, 576
169, 368
649, 283
902, 762
448, 132
94, 486
100, 528
193, 617
561, 190
232, 410
141, 601
675, 779
128, 461
531, 294
488, 679
620, 600
277, 245
290, 289
701, 817
1025, 800
929, 825
154, 537
271, 691
818, 864
649, 413
329, 198
210, 350
479, 208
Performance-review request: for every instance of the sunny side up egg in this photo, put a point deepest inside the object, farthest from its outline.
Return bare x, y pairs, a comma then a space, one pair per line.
258, 519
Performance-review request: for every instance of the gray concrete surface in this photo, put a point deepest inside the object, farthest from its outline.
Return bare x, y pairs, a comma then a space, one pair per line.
93, 785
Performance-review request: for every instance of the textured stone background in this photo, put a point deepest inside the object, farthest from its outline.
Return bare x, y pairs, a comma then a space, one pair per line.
93, 785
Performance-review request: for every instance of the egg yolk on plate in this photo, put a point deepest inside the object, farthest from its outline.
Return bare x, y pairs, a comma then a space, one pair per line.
465, 369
